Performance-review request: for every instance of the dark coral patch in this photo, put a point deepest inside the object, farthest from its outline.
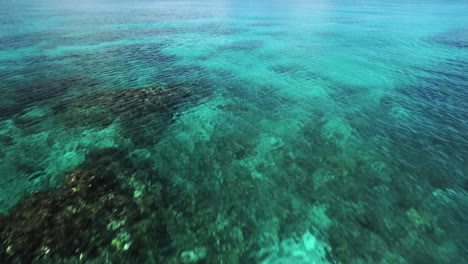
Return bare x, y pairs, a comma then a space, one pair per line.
248, 45
456, 38
74, 220
129, 104
18, 95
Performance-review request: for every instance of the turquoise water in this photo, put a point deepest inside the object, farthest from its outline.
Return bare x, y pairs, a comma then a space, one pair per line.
313, 132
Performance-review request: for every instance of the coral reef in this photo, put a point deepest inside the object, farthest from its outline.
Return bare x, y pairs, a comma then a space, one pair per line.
129, 104
74, 220
42, 143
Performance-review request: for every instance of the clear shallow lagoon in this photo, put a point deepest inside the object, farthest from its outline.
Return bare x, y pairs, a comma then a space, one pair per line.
286, 131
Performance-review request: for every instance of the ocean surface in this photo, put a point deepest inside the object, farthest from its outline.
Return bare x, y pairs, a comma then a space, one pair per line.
234, 131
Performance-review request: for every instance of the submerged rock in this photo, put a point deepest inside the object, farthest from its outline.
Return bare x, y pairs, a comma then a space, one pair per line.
86, 213
128, 104
457, 38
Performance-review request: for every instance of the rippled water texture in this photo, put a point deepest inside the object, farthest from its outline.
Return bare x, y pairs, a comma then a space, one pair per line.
234, 131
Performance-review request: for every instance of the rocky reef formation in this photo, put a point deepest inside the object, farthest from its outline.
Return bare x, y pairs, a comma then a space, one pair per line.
42, 142
141, 114
87, 212
108, 209
124, 105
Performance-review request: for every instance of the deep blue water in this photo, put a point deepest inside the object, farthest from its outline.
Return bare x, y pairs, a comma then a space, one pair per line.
314, 132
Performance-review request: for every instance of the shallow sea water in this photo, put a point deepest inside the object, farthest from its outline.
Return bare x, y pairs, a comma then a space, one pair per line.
311, 132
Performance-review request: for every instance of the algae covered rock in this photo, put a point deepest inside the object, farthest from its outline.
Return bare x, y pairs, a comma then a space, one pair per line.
86, 213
